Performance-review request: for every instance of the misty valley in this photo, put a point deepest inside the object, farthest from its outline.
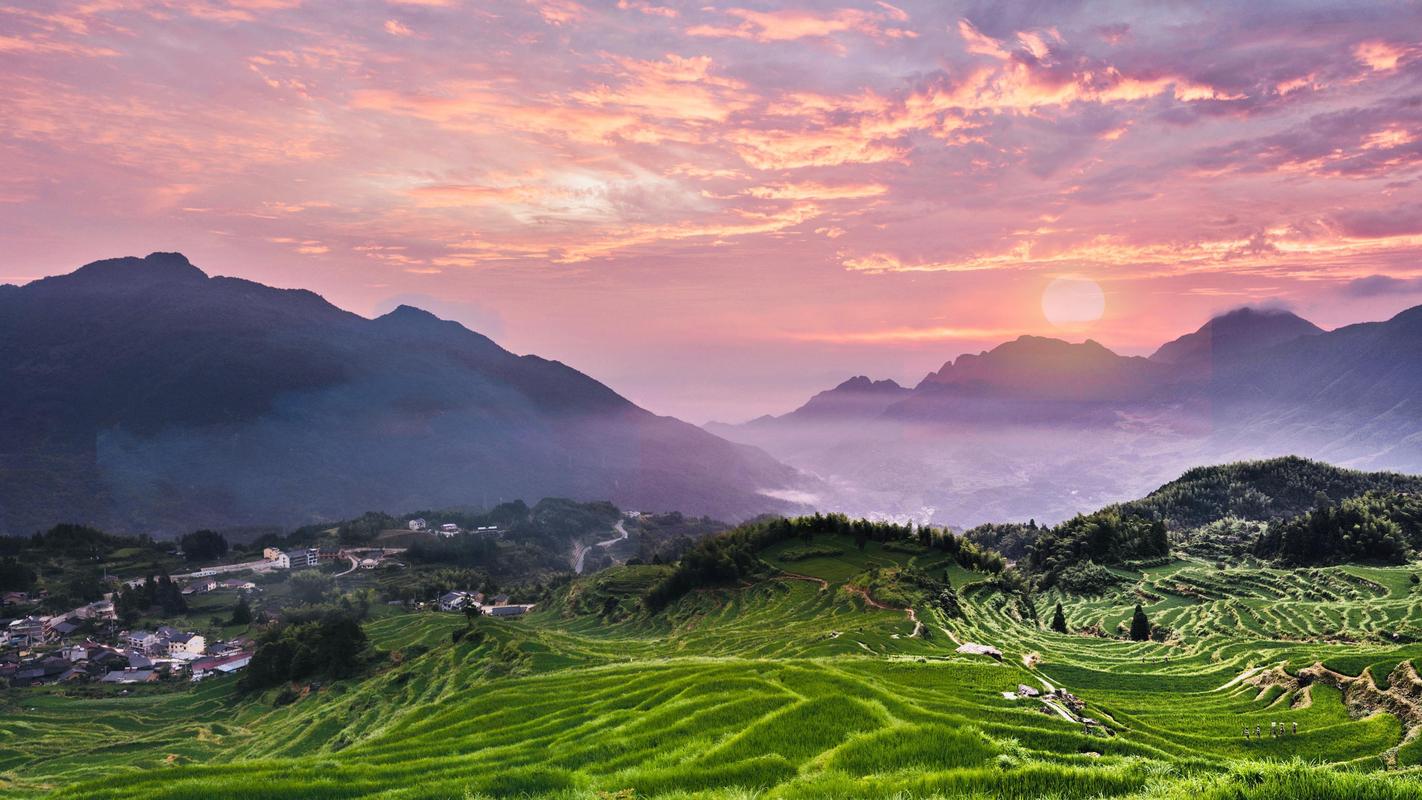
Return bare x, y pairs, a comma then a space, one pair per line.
199, 602
671, 400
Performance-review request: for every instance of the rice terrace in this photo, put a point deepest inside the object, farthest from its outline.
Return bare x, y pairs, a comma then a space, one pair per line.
822, 657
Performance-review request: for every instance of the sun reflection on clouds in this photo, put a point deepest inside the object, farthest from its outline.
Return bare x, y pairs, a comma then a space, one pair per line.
903, 156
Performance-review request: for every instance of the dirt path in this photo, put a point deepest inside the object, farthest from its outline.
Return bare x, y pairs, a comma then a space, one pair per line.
908, 612
917, 626
795, 576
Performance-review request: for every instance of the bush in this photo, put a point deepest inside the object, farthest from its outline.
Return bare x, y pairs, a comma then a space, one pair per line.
1086, 578
802, 553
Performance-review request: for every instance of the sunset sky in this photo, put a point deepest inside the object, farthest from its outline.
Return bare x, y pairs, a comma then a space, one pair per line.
720, 209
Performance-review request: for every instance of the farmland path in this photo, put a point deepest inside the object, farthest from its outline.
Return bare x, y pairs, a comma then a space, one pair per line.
908, 612
824, 584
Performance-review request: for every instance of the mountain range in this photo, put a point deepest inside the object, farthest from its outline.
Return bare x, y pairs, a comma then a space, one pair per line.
1047, 428
143, 395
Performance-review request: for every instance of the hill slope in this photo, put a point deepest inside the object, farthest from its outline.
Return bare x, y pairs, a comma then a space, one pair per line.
812, 682
144, 395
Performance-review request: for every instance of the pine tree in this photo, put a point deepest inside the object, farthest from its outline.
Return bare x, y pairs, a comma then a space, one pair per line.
242, 613
1140, 626
1059, 620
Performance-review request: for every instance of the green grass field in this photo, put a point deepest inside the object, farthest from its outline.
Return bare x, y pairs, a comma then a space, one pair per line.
799, 686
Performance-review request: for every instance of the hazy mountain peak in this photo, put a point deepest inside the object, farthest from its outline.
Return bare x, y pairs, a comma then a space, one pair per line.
1239, 331
863, 383
409, 315
151, 269
1027, 357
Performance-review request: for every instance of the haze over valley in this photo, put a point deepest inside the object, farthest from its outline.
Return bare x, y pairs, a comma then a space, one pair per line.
662, 400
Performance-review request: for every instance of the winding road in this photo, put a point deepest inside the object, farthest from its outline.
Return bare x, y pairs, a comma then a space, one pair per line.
580, 552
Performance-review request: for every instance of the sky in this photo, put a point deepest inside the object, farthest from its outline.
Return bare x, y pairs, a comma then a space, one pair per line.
720, 209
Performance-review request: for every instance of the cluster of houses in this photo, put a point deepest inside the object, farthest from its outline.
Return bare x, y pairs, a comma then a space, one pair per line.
82, 645
495, 606
449, 529
34, 631
138, 656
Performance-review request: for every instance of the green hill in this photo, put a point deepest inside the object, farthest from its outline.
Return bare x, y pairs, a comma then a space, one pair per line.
1278, 488
829, 667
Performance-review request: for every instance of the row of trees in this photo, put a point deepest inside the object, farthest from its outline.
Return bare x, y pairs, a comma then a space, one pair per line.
734, 555
1376, 527
163, 593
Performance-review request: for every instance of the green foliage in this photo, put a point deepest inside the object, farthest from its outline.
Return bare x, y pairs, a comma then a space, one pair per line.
1105, 537
1260, 490
14, 576
203, 545
309, 586
1140, 625
735, 554
366, 528
802, 553
333, 645
1380, 528
463, 551
160, 593
1086, 578
1059, 623
241, 613
1012, 539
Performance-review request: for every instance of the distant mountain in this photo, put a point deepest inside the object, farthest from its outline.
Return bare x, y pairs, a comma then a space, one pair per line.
1048, 368
855, 398
143, 395
1033, 379
1044, 428
1352, 395
1233, 335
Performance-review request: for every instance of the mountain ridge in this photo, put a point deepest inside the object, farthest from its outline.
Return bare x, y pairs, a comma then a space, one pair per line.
153, 397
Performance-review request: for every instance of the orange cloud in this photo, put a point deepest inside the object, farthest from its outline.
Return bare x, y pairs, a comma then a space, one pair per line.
1281, 249
1379, 56
647, 8
791, 24
769, 150
559, 12
817, 191
980, 44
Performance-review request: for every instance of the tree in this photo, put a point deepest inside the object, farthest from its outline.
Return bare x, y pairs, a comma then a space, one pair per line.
310, 586
241, 613
203, 545
861, 538
1059, 619
1140, 626
15, 577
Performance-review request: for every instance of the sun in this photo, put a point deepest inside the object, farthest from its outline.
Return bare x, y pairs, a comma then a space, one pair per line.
1071, 301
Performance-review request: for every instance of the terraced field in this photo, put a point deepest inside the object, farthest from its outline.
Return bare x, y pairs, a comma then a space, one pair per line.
815, 683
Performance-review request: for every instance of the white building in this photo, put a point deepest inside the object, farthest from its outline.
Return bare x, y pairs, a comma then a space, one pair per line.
187, 645
449, 529
418, 524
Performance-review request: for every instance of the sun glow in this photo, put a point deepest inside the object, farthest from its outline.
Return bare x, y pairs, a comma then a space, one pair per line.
1073, 301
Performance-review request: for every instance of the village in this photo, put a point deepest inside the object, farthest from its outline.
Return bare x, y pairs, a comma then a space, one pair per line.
87, 644
84, 645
